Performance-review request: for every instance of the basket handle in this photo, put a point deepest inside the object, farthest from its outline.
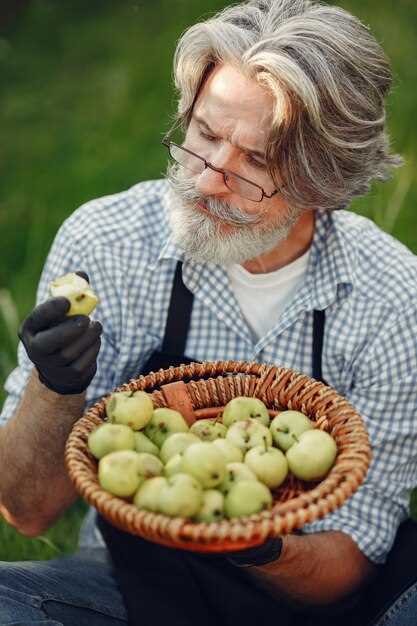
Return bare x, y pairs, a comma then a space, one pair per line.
177, 397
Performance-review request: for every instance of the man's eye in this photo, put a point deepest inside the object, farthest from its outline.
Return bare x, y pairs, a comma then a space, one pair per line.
254, 163
207, 137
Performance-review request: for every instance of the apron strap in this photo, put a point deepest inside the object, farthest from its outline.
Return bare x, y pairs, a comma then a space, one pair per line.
319, 318
178, 322
179, 315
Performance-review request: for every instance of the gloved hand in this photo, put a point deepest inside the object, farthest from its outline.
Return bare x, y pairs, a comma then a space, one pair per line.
259, 555
63, 349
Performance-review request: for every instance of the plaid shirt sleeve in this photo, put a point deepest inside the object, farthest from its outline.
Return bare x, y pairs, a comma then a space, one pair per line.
385, 394
67, 255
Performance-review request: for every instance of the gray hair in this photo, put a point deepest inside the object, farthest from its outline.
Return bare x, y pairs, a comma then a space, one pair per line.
329, 76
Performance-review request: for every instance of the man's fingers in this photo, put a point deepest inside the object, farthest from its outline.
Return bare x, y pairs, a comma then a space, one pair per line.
45, 315
52, 340
87, 360
76, 348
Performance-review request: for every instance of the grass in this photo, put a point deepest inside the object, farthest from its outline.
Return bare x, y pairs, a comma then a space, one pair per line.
86, 96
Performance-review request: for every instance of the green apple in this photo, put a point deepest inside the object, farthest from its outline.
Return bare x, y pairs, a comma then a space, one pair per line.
133, 408
242, 408
269, 465
208, 429
174, 465
77, 290
109, 438
163, 423
148, 495
246, 498
287, 424
232, 453
175, 444
181, 496
312, 456
205, 462
235, 472
118, 473
212, 508
149, 465
248, 433
144, 444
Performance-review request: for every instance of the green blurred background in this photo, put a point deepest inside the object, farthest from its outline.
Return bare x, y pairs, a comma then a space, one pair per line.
86, 94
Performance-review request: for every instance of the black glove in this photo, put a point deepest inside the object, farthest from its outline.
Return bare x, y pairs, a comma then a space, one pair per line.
259, 555
63, 349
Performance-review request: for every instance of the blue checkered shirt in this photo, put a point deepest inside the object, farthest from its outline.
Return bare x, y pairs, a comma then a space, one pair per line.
364, 279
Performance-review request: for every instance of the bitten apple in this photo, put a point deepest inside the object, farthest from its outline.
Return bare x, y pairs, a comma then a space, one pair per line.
77, 290
133, 408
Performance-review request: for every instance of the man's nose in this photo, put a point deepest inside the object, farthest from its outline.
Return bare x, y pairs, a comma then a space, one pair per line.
211, 181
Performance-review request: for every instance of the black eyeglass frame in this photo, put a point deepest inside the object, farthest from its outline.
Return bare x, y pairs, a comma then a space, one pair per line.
167, 143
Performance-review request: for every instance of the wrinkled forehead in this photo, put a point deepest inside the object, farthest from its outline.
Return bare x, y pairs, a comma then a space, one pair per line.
233, 104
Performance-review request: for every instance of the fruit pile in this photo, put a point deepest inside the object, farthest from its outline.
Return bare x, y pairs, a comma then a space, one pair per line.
218, 468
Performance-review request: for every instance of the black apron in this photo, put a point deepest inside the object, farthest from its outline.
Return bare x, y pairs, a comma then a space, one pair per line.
162, 585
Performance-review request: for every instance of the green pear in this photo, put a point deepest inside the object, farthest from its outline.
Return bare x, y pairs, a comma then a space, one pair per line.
232, 453
242, 408
212, 508
246, 498
174, 465
119, 473
133, 408
248, 433
235, 472
181, 496
144, 444
208, 429
176, 443
287, 426
148, 495
149, 465
109, 438
205, 462
312, 456
269, 465
163, 423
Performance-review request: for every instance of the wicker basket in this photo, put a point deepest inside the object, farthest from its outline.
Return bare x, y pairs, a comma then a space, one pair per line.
200, 390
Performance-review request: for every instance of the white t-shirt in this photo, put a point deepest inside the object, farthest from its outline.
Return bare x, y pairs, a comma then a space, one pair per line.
263, 297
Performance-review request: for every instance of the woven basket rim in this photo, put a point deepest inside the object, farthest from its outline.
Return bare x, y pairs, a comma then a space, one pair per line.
271, 384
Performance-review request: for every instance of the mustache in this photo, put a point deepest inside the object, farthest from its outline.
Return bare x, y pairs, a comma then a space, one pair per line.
186, 190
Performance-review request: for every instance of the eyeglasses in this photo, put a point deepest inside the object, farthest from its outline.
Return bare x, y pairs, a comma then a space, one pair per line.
236, 183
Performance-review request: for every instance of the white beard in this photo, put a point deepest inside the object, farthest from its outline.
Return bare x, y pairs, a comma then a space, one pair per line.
201, 237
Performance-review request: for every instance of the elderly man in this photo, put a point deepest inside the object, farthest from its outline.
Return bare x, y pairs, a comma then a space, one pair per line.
244, 251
